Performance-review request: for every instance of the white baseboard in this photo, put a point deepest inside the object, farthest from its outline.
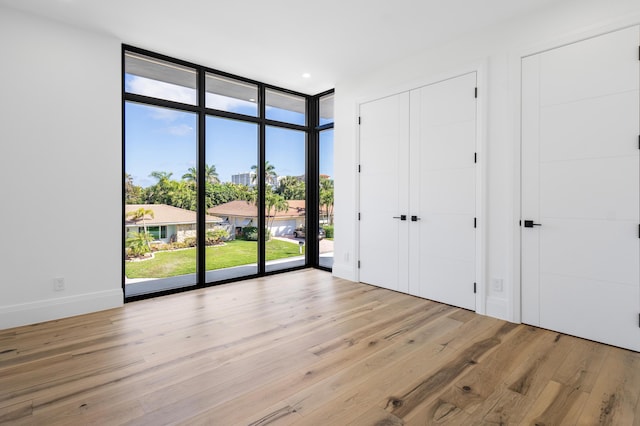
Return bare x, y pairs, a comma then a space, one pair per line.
52, 309
497, 308
344, 271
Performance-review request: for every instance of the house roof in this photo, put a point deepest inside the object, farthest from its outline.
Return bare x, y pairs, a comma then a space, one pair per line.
165, 215
240, 208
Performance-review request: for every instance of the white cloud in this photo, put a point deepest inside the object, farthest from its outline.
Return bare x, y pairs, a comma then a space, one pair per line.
226, 103
164, 114
159, 89
181, 130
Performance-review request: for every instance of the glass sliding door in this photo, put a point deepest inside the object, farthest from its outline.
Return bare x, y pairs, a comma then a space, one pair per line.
160, 199
285, 202
232, 199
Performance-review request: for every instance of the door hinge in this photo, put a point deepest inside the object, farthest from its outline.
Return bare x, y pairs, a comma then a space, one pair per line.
475, 157
475, 288
359, 120
475, 222
358, 264
638, 141
358, 216
359, 168
475, 94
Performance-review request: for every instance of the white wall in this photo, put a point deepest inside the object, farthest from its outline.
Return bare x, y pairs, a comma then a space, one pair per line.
500, 48
60, 168
60, 152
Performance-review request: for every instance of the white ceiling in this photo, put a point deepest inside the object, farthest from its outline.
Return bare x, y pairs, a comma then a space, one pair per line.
277, 41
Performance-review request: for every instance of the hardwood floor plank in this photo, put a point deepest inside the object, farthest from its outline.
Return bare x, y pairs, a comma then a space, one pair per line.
474, 387
306, 348
430, 385
614, 398
563, 398
292, 386
371, 381
376, 416
523, 385
16, 411
107, 398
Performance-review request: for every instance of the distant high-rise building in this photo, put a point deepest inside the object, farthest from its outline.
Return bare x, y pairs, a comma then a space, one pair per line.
244, 179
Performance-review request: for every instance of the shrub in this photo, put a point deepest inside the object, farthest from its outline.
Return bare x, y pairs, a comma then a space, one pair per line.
250, 233
137, 244
328, 231
217, 236
190, 241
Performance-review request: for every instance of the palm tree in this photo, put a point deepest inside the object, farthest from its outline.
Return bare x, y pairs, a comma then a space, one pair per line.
128, 182
210, 174
191, 175
140, 214
138, 243
291, 188
326, 197
276, 203
270, 174
128, 186
161, 176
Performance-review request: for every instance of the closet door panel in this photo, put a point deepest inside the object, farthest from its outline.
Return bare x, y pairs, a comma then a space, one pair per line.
384, 193
443, 191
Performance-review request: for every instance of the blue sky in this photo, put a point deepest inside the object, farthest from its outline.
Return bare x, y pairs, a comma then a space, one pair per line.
159, 139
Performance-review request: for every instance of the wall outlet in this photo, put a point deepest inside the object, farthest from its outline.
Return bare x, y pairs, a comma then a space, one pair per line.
497, 284
58, 284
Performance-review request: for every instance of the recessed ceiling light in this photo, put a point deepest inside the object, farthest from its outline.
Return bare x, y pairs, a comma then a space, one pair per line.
306, 75
252, 100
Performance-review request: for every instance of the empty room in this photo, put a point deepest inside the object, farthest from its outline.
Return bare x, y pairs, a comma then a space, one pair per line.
339, 213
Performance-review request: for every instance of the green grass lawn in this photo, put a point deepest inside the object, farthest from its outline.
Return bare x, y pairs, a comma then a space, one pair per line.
233, 253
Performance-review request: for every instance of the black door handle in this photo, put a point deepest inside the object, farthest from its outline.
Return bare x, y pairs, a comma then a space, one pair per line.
414, 218
530, 224
401, 217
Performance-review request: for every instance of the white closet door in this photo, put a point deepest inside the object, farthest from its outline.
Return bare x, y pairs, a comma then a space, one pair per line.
384, 177
443, 184
580, 184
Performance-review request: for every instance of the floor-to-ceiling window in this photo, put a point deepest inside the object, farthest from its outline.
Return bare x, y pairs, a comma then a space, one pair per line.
215, 176
285, 201
231, 196
325, 179
160, 152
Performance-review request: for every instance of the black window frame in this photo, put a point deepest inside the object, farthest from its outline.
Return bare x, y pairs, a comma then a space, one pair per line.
311, 130
314, 159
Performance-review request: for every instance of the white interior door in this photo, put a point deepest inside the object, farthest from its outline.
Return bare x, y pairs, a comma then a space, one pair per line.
580, 184
442, 197
384, 176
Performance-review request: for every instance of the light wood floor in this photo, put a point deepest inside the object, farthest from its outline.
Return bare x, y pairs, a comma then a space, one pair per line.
306, 348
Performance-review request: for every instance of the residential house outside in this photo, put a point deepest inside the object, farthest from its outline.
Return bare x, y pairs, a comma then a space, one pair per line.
240, 214
169, 224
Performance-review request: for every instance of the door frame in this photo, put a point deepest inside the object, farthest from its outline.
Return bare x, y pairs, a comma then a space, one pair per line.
479, 67
514, 292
